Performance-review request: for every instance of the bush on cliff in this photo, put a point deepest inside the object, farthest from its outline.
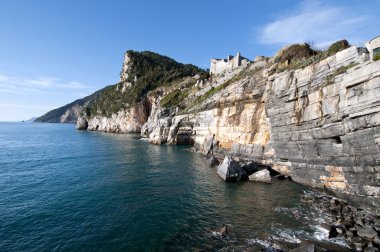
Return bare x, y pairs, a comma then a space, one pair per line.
295, 52
302, 55
174, 98
337, 47
146, 71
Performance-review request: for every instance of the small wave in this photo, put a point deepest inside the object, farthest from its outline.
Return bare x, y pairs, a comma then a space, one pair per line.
286, 235
266, 244
320, 233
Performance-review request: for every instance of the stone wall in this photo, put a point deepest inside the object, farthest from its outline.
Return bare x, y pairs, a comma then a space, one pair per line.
220, 65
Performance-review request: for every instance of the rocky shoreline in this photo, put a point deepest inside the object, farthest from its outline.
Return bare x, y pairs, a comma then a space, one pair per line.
314, 118
347, 228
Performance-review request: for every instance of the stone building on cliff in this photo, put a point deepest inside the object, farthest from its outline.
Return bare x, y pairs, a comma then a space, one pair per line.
373, 47
220, 65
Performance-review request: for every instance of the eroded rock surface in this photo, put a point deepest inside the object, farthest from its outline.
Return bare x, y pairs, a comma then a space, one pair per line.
319, 124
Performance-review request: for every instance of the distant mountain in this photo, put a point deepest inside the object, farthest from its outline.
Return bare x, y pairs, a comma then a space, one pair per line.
68, 113
30, 120
141, 72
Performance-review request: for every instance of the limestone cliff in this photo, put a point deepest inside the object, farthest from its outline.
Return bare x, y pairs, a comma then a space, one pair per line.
319, 123
123, 107
70, 112
309, 114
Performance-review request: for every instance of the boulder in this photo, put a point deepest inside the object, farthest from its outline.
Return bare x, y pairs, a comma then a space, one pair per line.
261, 176
368, 233
230, 170
213, 161
223, 231
252, 167
335, 231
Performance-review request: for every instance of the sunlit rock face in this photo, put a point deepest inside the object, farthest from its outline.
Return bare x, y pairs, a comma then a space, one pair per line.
319, 124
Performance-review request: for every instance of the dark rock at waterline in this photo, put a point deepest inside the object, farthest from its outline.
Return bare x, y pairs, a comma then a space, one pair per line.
330, 246
193, 149
82, 123
355, 225
230, 170
335, 230
252, 167
136, 137
272, 172
213, 161
280, 177
223, 231
304, 247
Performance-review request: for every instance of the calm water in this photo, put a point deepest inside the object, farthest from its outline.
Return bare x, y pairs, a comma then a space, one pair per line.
63, 189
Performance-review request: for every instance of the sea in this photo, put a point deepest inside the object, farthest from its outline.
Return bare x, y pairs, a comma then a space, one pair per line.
67, 190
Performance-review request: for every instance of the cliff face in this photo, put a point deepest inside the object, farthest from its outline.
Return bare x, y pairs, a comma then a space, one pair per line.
124, 121
319, 124
124, 108
313, 117
70, 112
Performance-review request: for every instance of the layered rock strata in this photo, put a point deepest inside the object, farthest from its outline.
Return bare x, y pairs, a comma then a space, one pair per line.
319, 124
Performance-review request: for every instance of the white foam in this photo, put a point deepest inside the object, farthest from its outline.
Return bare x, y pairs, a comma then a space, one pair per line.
288, 236
263, 243
320, 233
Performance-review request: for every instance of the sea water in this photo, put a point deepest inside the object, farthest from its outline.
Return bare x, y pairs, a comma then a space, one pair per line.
67, 190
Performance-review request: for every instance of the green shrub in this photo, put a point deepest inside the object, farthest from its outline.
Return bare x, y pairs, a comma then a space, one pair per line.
296, 52
331, 77
174, 98
302, 55
241, 75
151, 70
337, 47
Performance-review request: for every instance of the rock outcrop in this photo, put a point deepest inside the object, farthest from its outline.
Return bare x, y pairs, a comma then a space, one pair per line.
261, 176
312, 116
230, 170
124, 121
70, 112
319, 124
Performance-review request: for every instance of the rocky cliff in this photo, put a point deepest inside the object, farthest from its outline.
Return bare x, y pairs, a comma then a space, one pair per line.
314, 116
70, 112
124, 107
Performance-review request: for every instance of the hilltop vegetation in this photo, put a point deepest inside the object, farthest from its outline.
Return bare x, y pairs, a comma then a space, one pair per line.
146, 71
72, 109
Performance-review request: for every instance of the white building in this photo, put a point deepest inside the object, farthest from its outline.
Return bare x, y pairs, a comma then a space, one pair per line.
220, 65
373, 47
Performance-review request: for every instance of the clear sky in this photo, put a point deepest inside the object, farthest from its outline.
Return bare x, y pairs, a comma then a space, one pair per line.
53, 52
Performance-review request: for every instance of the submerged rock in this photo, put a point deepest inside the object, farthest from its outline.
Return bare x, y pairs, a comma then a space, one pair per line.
261, 176
213, 161
230, 170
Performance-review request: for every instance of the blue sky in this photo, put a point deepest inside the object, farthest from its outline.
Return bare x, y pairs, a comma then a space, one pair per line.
53, 52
